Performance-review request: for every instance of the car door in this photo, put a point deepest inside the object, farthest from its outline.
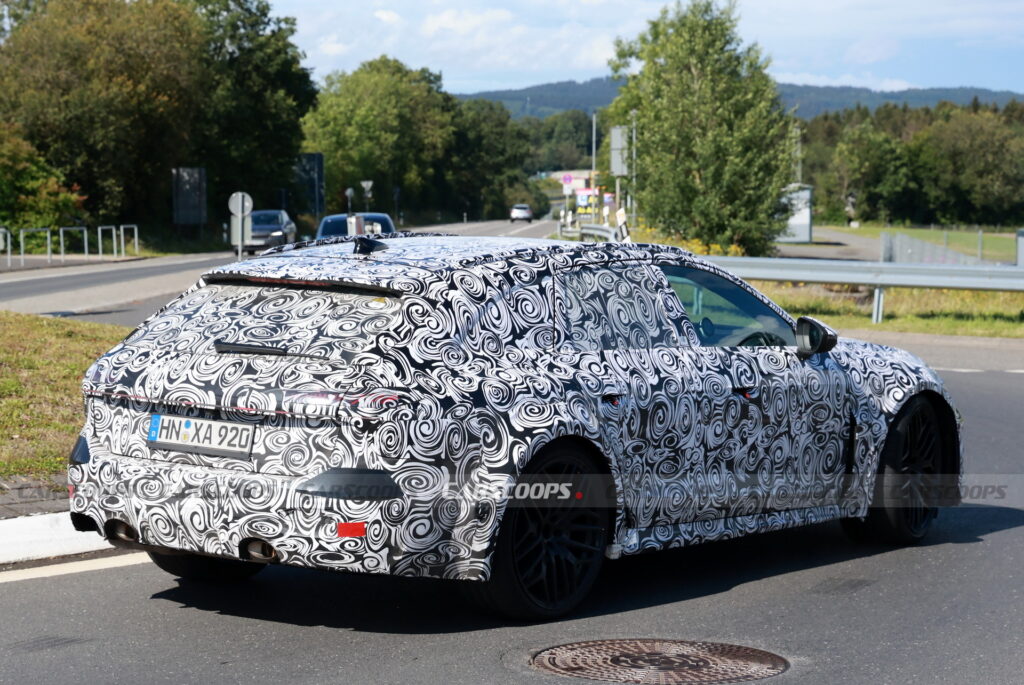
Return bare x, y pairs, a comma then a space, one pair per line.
619, 359
774, 426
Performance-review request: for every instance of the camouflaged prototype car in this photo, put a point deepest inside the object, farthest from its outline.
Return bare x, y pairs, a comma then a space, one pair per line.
373, 405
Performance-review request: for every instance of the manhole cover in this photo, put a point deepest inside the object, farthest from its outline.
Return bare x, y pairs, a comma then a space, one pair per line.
660, 661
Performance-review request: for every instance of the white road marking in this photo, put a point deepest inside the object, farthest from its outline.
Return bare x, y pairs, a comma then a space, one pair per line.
1015, 371
939, 368
73, 567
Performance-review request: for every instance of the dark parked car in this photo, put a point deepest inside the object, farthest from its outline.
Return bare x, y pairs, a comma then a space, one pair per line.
270, 227
501, 412
337, 224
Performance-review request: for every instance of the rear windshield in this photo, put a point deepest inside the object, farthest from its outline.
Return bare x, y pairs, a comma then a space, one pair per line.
335, 324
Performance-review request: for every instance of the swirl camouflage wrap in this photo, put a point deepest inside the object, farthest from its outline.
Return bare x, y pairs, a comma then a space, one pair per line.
444, 365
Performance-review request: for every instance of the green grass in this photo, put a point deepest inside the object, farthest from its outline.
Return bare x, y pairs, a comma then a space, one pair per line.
42, 361
996, 247
907, 310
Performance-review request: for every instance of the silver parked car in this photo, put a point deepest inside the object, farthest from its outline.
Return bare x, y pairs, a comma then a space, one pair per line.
270, 227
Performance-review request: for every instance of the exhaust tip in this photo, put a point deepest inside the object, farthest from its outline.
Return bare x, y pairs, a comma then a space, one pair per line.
122, 531
261, 551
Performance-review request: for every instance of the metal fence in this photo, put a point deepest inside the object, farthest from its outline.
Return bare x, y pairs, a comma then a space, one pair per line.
900, 247
117, 237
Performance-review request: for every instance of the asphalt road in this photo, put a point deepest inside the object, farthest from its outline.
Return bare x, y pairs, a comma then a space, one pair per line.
948, 610
126, 293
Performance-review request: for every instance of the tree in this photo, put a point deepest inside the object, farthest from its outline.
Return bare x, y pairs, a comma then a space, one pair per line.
872, 167
32, 193
386, 123
106, 90
714, 145
972, 168
486, 157
255, 95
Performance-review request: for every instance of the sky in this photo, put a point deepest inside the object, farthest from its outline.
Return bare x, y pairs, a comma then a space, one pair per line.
878, 44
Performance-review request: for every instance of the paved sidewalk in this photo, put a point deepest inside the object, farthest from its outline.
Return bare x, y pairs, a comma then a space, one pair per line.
829, 244
22, 496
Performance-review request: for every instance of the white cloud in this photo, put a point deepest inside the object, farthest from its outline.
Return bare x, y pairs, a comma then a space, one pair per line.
330, 45
464, 22
388, 16
862, 80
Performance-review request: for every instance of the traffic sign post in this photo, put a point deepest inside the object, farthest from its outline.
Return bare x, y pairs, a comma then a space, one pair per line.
240, 205
367, 192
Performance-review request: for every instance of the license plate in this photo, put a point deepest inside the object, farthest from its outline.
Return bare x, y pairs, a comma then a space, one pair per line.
217, 438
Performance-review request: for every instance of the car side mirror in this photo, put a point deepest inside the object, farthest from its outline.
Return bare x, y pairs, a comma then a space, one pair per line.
813, 337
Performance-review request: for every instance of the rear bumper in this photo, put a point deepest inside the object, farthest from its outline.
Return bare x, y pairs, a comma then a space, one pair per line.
218, 511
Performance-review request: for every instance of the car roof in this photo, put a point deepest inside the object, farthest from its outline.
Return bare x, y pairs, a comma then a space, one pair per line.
423, 256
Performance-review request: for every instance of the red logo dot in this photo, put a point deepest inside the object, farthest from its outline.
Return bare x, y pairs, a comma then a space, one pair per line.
579, 495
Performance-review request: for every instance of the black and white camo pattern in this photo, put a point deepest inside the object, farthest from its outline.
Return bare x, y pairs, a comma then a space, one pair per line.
455, 386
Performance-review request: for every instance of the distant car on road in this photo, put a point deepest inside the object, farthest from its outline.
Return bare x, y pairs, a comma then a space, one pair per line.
337, 224
521, 213
270, 227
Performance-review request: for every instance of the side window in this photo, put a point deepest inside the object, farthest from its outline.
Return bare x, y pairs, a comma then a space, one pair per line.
725, 315
613, 307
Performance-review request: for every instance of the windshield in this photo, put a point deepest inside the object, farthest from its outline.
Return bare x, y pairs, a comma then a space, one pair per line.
266, 218
334, 323
334, 226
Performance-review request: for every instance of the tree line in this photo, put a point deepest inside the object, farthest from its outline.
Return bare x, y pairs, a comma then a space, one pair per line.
947, 164
101, 99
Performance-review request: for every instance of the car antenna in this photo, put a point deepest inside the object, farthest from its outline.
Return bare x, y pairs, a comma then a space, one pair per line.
366, 245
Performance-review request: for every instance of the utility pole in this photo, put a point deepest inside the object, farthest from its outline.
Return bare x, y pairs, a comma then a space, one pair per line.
593, 164
632, 173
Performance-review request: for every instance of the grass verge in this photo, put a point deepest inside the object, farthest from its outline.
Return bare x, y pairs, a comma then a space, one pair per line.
907, 310
42, 361
996, 247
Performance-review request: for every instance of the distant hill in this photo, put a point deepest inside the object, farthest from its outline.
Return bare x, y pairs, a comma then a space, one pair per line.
809, 101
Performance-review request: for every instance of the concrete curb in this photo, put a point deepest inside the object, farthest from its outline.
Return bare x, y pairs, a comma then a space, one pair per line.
42, 536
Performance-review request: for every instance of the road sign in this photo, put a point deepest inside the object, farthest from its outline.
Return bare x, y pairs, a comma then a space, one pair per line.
618, 149
567, 189
367, 186
567, 179
240, 204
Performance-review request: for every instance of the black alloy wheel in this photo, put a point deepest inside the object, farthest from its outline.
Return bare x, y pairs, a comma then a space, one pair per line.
906, 487
548, 553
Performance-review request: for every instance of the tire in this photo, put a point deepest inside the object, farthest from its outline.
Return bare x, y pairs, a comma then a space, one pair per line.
902, 509
203, 568
567, 542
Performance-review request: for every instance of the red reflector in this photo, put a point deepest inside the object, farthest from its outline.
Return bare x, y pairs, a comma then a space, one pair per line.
352, 530
71, 491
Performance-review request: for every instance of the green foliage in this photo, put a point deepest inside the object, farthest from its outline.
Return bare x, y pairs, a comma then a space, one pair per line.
948, 165
106, 90
31, 193
114, 94
971, 167
397, 127
255, 94
383, 122
714, 146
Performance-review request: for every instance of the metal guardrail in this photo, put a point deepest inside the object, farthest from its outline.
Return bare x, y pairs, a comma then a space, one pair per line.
880, 275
